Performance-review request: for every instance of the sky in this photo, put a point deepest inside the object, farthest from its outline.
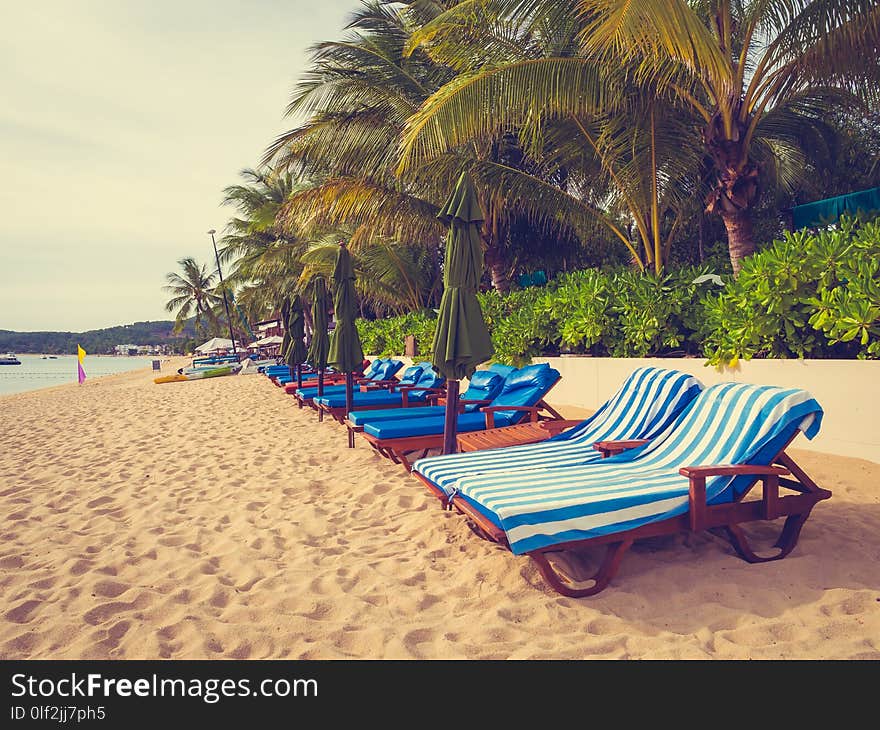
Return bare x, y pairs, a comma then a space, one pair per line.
121, 122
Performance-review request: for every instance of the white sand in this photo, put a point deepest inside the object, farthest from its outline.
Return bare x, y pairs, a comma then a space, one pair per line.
214, 519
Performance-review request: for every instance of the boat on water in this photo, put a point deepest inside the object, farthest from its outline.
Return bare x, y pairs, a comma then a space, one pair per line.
9, 359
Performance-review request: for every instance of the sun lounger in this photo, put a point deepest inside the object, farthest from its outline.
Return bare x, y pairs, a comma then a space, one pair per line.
417, 383
383, 374
522, 394
483, 386
647, 402
694, 476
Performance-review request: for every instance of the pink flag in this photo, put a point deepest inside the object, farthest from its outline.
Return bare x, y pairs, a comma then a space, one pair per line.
81, 355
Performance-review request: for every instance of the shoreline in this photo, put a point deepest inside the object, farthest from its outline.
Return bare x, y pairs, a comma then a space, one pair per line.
213, 519
93, 378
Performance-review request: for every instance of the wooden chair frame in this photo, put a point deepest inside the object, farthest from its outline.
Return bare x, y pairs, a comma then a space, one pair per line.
339, 412
400, 449
724, 518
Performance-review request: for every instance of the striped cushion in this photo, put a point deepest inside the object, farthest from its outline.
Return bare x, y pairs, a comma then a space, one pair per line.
730, 423
648, 401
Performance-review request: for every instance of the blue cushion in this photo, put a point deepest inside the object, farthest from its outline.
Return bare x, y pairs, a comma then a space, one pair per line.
483, 385
373, 366
373, 398
309, 393
422, 426
530, 375
388, 369
483, 378
502, 370
527, 389
430, 379
411, 375
359, 418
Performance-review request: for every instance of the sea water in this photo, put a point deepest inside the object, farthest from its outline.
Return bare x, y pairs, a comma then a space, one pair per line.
35, 372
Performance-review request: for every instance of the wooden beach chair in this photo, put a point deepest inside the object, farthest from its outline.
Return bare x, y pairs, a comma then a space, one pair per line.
521, 395
383, 374
646, 403
413, 389
696, 475
483, 386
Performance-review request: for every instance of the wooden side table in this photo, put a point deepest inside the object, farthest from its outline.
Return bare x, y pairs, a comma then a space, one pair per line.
521, 433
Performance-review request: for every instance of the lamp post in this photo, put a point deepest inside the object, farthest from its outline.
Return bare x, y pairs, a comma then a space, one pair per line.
225, 302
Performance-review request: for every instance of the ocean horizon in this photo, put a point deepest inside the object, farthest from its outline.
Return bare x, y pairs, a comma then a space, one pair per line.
44, 371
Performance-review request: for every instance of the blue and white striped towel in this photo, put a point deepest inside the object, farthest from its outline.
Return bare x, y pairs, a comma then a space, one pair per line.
647, 402
729, 423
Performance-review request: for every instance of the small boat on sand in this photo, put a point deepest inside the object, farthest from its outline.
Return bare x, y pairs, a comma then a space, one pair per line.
200, 373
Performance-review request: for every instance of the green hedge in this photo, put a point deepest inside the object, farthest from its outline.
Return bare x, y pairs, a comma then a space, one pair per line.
806, 295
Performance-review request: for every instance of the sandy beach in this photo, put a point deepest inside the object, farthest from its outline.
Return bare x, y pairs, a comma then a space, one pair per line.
213, 519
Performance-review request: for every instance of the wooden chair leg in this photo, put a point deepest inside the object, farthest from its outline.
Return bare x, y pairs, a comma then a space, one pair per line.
607, 570
788, 538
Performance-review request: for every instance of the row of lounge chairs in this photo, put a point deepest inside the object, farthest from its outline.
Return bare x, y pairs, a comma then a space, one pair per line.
662, 455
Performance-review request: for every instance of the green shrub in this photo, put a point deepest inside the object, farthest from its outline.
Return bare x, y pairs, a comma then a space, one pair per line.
805, 295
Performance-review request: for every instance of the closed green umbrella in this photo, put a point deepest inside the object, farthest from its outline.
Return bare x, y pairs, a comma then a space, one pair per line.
285, 341
346, 353
319, 349
461, 341
295, 354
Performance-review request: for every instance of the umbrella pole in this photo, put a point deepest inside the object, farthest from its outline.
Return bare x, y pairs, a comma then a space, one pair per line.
320, 382
299, 376
451, 421
348, 398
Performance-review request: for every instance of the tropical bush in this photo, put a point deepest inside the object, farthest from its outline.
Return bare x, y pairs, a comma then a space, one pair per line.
807, 294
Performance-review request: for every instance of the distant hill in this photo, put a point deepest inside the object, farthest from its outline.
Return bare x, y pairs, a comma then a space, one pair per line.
95, 341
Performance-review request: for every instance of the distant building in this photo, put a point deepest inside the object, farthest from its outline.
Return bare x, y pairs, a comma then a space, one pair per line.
268, 327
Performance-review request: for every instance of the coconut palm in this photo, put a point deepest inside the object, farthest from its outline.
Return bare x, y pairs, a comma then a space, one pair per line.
620, 158
193, 295
264, 254
758, 78
355, 101
391, 277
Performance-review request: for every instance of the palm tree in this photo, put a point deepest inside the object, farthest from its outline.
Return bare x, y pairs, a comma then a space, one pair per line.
758, 76
264, 254
193, 295
621, 157
352, 104
391, 277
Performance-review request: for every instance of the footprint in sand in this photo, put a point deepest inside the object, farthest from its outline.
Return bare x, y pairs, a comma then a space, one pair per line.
106, 611
110, 589
99, 502
21, 614
415, 638
80, 567
11, 561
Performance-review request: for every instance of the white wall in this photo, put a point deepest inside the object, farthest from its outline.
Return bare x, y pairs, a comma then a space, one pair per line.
847, 390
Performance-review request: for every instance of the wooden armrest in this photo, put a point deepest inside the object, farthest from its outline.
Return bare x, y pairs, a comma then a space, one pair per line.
769, 475
474, 401
490, 411
610, 448
724, 470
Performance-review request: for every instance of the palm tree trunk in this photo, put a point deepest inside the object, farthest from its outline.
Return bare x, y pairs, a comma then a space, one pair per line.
740, 236
498, 271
